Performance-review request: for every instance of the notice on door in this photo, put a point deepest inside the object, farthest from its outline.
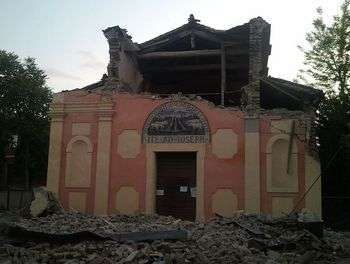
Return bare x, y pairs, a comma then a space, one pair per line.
160, 192
193, 192
183, 188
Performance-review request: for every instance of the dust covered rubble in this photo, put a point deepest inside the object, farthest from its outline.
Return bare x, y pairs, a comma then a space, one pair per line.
241, 239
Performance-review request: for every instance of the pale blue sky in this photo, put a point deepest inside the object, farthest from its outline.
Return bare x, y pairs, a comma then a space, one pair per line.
66, 36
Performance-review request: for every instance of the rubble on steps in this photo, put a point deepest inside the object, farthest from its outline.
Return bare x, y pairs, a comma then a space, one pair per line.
241, 239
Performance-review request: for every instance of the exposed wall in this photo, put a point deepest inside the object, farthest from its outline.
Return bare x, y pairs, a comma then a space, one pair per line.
128, 71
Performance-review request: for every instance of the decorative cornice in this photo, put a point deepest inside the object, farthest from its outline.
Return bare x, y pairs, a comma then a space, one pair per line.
105, 110
57, 112
80, 107
105, 118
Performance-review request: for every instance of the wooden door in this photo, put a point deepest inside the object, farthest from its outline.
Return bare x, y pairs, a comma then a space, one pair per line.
176, 184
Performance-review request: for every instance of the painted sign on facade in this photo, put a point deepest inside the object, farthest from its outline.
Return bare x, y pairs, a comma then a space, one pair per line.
176, 122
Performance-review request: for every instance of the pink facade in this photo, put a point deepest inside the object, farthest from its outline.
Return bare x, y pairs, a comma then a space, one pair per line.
120, 145
130, 112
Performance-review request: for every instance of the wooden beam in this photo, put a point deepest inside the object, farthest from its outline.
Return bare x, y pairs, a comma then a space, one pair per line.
206, 35
189, 53
223, 74
178, 54
193, 41
202, 67
169, 40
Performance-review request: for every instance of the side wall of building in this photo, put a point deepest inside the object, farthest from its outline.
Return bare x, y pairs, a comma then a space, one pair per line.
287, 168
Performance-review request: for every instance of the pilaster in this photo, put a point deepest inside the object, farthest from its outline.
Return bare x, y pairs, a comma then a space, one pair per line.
55, 149
252, 164
104, 113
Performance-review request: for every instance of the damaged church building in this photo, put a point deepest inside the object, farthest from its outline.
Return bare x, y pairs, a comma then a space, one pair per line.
187, 124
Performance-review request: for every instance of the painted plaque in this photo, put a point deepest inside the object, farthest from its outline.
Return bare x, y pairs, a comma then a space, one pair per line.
176, 122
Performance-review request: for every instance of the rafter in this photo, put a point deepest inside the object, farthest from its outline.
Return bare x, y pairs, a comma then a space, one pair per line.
190, 53
230, 66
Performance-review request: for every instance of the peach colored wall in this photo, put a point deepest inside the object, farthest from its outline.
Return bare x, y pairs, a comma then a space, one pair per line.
131, 112
266, 197
67, 136
224, 173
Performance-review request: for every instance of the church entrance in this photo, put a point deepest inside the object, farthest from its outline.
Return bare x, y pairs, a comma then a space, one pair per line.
176, 184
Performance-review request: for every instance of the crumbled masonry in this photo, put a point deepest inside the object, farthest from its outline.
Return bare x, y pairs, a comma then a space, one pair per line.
240, 239
45, 202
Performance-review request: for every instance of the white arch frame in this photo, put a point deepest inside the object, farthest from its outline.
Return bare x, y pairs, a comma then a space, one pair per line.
79, 138
288, 189
168, 104
87, 181
273, 139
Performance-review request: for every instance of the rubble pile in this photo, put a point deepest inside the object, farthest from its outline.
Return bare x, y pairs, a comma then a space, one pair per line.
70, 222
241, 239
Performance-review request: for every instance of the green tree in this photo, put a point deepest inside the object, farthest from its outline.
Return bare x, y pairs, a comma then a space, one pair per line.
327, 66
24, 105
328, 60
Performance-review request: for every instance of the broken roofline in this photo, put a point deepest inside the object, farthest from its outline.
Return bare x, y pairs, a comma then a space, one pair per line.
281, 83
190, 28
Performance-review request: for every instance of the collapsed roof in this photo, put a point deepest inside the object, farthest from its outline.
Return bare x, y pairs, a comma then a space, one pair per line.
227, 67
